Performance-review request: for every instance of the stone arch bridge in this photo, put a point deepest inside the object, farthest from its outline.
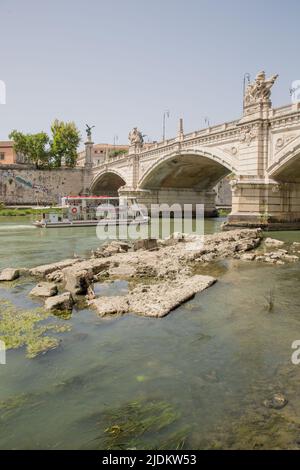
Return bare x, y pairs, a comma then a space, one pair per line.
261, 152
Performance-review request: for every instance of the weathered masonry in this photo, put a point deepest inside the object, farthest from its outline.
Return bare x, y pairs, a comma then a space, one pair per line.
20, 185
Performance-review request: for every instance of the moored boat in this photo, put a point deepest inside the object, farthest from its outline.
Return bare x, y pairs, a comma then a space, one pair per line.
86, 211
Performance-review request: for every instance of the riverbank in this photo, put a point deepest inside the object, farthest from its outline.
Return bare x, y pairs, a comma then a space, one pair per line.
26, 211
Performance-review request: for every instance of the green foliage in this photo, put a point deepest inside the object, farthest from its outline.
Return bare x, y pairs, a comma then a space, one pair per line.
64, 143
115, 153
32, 146
25, 212
24, 328
43, 151
223, 212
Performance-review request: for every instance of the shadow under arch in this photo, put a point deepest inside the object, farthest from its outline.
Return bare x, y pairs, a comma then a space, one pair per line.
197, 170
107, 184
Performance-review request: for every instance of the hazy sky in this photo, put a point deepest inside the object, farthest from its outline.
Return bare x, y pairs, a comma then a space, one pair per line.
121, 63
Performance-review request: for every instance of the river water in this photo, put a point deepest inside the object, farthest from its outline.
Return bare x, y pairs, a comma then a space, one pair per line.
195, 379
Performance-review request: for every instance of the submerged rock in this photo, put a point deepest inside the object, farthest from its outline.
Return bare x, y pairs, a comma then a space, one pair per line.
45, 269
291, 257
248, 256
155, 300
145, 244
44, 289
278, 401
9, 274
60, 302
78, 278
273, 242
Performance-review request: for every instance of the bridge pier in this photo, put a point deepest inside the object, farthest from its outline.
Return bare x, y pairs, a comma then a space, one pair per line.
271, 205
174, 196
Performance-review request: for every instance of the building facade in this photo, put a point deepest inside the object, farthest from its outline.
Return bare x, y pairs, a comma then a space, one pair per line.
100, 152
7, 154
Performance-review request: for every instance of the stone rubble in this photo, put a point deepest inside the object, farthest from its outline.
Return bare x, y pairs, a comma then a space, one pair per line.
9, 274
273, 242
156, 300
62, 302
161, 273
44, 289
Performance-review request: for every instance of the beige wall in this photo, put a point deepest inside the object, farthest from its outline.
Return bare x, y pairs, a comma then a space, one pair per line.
99, 153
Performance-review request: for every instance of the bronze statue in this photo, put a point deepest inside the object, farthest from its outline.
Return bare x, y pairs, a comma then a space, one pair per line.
89, 131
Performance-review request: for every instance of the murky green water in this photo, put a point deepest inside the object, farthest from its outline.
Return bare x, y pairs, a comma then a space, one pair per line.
195, 379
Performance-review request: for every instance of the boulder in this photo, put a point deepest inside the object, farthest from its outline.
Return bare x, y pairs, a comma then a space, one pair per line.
77, 278
153, 300
45, 269
273, 242
145, 244
9, 274
62, 302
44, 289
290, 257
248, 256
77, 281
278, 401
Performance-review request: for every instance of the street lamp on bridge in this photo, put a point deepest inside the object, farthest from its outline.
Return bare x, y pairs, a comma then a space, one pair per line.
165, 115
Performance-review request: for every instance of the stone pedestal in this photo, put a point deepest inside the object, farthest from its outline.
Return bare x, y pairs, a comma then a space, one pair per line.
89, 154
87, 177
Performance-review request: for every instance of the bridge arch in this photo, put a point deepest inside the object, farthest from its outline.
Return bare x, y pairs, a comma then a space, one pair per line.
286, 166
198, 169
107, 183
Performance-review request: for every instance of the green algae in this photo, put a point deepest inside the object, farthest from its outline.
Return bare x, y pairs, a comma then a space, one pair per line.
133, 425
11, 406
24, 328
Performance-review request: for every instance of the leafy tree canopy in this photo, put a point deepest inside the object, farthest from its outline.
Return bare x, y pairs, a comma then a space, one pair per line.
44, 151
64, 143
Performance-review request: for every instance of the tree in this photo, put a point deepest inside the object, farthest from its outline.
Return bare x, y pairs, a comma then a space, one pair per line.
32, 146
64, 143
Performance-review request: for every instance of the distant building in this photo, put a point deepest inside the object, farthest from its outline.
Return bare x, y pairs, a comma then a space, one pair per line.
7, 154
102, 151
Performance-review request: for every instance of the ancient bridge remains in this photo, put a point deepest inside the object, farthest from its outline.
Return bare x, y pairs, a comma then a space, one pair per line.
261, 152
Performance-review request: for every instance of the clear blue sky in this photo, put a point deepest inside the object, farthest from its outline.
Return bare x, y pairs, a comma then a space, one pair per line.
120, 63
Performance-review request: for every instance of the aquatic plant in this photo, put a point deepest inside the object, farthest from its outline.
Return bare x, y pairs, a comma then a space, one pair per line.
11, 406
270, 299
23, 328
134, 424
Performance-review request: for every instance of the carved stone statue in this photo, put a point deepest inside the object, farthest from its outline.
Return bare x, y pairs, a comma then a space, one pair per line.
88, 131
136, 137
259, 91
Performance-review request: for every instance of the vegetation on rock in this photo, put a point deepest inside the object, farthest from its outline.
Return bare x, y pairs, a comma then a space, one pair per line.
25, 328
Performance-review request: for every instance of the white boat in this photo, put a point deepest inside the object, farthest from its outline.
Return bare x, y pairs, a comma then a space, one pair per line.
86, 211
